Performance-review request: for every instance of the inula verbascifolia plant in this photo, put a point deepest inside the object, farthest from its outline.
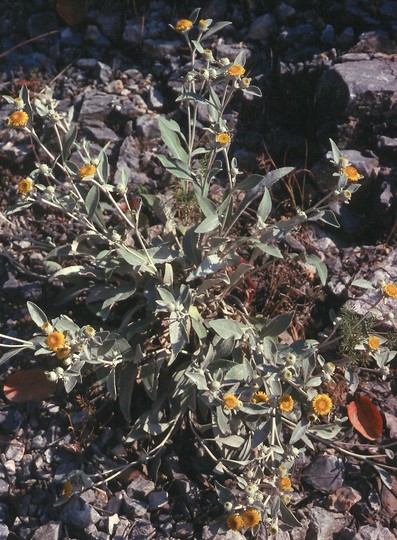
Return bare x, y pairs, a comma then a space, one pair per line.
209, 364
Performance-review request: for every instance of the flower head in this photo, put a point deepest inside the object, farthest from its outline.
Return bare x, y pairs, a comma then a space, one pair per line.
286, 403
55, 341
25, 186
18, 118
245, 82
230, 401
260, 397
223, 138
322, 404
89, 331
235, 70
285, 483
390, 290
373, 343
87, 170
184, 25
352, 173
251, 517
234, 522
62, 353
204, 24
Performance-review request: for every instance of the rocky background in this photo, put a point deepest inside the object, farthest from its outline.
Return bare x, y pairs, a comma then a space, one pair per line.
326, 69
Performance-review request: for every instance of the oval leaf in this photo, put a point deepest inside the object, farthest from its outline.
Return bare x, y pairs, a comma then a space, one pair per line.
28, 385
365, 417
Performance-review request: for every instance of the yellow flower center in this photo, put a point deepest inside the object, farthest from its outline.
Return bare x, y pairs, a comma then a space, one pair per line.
352, 173
230, 401
18, 118
223, 138
63, 353
390, 290
260, 397
322, 404
235, 70
24, 186
234, 522
251, 517
55, 341
285, 483
286, 403
183, 25
87, 170
373, 343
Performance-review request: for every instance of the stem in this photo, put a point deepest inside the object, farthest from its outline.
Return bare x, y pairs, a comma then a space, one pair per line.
23, 341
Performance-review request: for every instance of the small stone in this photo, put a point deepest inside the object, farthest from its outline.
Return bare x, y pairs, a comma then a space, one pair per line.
147, 126
132, 33
160, 48
4, 487
95, 36
134, 508
140, 487
50, 531
325, 473
3, 512
4, 531
343, 499
15, 450
103, 72
79, 514
324, 524
285, 11
371, 532
11, 420
263, 27
184, 530
32, 291
158, 499
156, 98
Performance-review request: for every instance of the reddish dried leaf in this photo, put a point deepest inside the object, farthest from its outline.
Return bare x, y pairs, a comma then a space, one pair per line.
72, 11
28, 385
365, 417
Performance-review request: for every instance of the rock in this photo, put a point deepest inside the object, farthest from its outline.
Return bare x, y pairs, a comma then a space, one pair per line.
389, 10
41, 23
160, 48
184, 530
133, 33
11, 420
50, 531
156, 98
285, 12
231, 50
3, 511
110, 24
325, 525
95, 36
343, 499
4, 488
128, 157
147, 126
140, 487
325, 473
15, 451
328, 35
78, 513
96, 106
158, 499
263, 27
4, 531
32, 291
103, 72
143, 530
100, 133
371, 532
133, 508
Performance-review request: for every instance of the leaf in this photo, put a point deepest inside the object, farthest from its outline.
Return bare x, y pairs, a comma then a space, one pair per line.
217, 26
72, 11
329, 218
28, 385
176, 167
335, 152
226, 328
208, 224
365, 417
170, 136
299, 430
363, 284
38, 316
92, 200
385, 477
278, 325
264, 208
319, 266
68, 142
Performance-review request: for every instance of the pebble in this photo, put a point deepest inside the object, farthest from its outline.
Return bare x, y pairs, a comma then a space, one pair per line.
325, 473
263, 27
50, 531
140, 487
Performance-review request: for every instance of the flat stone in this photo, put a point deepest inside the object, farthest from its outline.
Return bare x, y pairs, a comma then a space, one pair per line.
102, 134
15, 450
132, 33
50, 531
133, 508
140, 487
158, 499
96, 106
326, 525
325, 473
79, 514
371, 532
343, 499
263, 27
160, 48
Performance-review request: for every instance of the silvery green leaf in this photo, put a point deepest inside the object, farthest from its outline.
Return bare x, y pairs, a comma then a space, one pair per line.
199, 380
261, 433
166, 296
150, 376
12, 352
288, 517
206, 205
235, 463
312, 383
226, 328
217, 26
299, 430
178, 336
325, 431
234, 441
278, 324
240, 372
321, 268
92, 200
385, 477
68, 141
336, 155
363, 284
176, 167
208, 224
250, 182
197, 45
329, 218
222, 421
38, 316
240, 58
253, 91
24, 95
270, 250
72, 167
389, 453
50, 267
210, 265
111, 383
194, 15
224, 494
170, 136
264, 208
352, 379
103, 167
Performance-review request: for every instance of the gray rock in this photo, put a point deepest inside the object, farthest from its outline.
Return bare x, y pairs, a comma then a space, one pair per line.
94, 35
328, 34
11, 420
128, 156
343, 499
4, 487
123, 528
78, 513
4, 531
96, 106
103, 72
160, 48
140, 487
15, 451
156, 98
133, 33
285, 12
184, 530
3, 511
32, 291
133, 508
110, 523
158, 499
387, 142
50, 531
326, 525
371, 532
101, 133
354, 57
263, 27
133, 106
147, 126
216, 10
110, 24
143, 530
346, 38
93, 534
325, 473
231, 50
41, 23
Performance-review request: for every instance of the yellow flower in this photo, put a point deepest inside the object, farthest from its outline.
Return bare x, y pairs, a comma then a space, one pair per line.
230, 401
322, 404
373, 343
223, 138
286, 403
260, 397
203, 24
63, 353
352, 173
55, 341
390, 290
18, 119
234, 522
87, 170
285, 483
25, 186
184, 25
235, 70
251, 517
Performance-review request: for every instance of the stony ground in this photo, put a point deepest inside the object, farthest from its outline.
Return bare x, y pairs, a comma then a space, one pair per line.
326, 70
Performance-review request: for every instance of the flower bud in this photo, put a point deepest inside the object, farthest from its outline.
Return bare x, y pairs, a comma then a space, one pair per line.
228, 506
51, 376
224, 61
